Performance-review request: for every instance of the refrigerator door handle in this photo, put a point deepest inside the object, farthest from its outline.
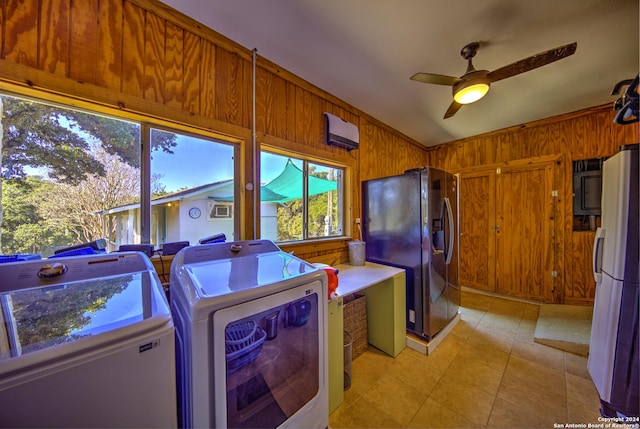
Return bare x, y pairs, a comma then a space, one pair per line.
452, 231
597, 255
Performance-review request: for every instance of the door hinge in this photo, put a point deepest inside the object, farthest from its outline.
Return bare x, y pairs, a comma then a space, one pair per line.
554, 193
554, 273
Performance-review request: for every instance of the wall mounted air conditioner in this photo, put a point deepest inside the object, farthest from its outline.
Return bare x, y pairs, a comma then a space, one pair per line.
341, 133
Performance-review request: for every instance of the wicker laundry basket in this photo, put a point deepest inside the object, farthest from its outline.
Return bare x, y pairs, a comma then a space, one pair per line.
355, 322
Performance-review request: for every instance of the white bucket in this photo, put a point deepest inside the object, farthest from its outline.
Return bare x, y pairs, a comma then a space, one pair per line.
356, 252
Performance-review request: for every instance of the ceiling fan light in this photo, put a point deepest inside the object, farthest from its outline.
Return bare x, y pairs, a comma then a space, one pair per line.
470, 93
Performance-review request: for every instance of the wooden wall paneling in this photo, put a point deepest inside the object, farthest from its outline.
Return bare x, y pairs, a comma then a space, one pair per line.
110, 35
477, 235
598, 129
132, 57
272, 104
581, 289
503, 148
369, 153
54, 38
174, 68
481, 150
208, 78
520, 146
623, 134
471, 153
579, 139
567, 209
532, 140
291, 116
154, 58
560, 233
83, 41
233, 89
21, 32
304, 111
627, 134
557, 140
193, 69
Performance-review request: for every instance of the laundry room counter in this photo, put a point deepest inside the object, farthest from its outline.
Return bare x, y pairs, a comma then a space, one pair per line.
384, 288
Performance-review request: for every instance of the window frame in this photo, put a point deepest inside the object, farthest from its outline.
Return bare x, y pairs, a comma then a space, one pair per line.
346, 197
146, 124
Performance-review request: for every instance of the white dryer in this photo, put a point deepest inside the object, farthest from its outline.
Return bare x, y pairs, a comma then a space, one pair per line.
251, 329
86, 341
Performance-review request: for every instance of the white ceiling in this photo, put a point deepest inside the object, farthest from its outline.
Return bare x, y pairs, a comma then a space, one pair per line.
364, 51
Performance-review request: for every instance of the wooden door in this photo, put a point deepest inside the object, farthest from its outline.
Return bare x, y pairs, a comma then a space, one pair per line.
477, 236
525, 232
507, 225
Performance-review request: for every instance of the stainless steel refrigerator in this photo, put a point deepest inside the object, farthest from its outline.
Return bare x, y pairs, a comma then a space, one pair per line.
410, 221
613, 347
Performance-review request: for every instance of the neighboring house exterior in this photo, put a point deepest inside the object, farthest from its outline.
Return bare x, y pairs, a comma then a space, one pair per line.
186, 215
195, 213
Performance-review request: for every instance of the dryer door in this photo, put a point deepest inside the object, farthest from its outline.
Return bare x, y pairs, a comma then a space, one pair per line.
269, 357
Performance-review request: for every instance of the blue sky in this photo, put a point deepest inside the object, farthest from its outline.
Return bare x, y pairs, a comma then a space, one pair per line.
197, 161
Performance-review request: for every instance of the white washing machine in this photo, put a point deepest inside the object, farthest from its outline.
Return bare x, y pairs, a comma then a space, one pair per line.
86, 341
251, 330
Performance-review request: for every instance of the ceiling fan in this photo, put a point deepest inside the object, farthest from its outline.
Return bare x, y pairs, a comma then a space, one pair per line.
474, 84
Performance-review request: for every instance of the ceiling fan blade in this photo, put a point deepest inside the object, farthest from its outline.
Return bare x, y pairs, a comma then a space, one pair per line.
533, 62
453, 109
438, 79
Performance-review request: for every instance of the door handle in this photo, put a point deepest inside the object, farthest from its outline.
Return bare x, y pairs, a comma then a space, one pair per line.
452, 231
597, 255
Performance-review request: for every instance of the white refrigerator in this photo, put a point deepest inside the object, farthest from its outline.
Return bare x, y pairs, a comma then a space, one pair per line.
613, 348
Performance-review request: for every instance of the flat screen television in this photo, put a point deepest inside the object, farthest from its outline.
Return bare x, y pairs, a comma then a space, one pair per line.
587, 193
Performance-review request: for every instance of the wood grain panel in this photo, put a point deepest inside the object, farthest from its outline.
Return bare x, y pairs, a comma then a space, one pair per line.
582, 282
83, 44
193, 65
133, 38
208, 74
291, 117
524, 247
598, 129
154, 59
21, 42
625, 134
303, 115
272, 104
110, 34
174, 66
54, 37
579, 148
229, 88
477, 237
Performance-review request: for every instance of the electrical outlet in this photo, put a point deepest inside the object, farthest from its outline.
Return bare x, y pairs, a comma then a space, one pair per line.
357, 221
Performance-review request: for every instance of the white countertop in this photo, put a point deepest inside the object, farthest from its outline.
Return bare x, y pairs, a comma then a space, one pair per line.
353, 278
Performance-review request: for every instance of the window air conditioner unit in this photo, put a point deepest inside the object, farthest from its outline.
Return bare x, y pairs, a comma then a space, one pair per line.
341, 133
221, 211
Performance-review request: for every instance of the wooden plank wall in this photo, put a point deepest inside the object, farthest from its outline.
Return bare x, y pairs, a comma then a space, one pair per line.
589, 133
140, 57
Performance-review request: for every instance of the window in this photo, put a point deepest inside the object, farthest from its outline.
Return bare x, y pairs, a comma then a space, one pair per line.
69, 176
300, 199
186, 181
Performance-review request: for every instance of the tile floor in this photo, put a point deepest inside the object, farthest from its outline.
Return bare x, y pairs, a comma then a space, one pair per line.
487, 373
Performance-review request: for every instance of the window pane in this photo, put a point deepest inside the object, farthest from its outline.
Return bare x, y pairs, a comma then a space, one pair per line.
281, 209
192, 188
286, 198
61, 169
325, 198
